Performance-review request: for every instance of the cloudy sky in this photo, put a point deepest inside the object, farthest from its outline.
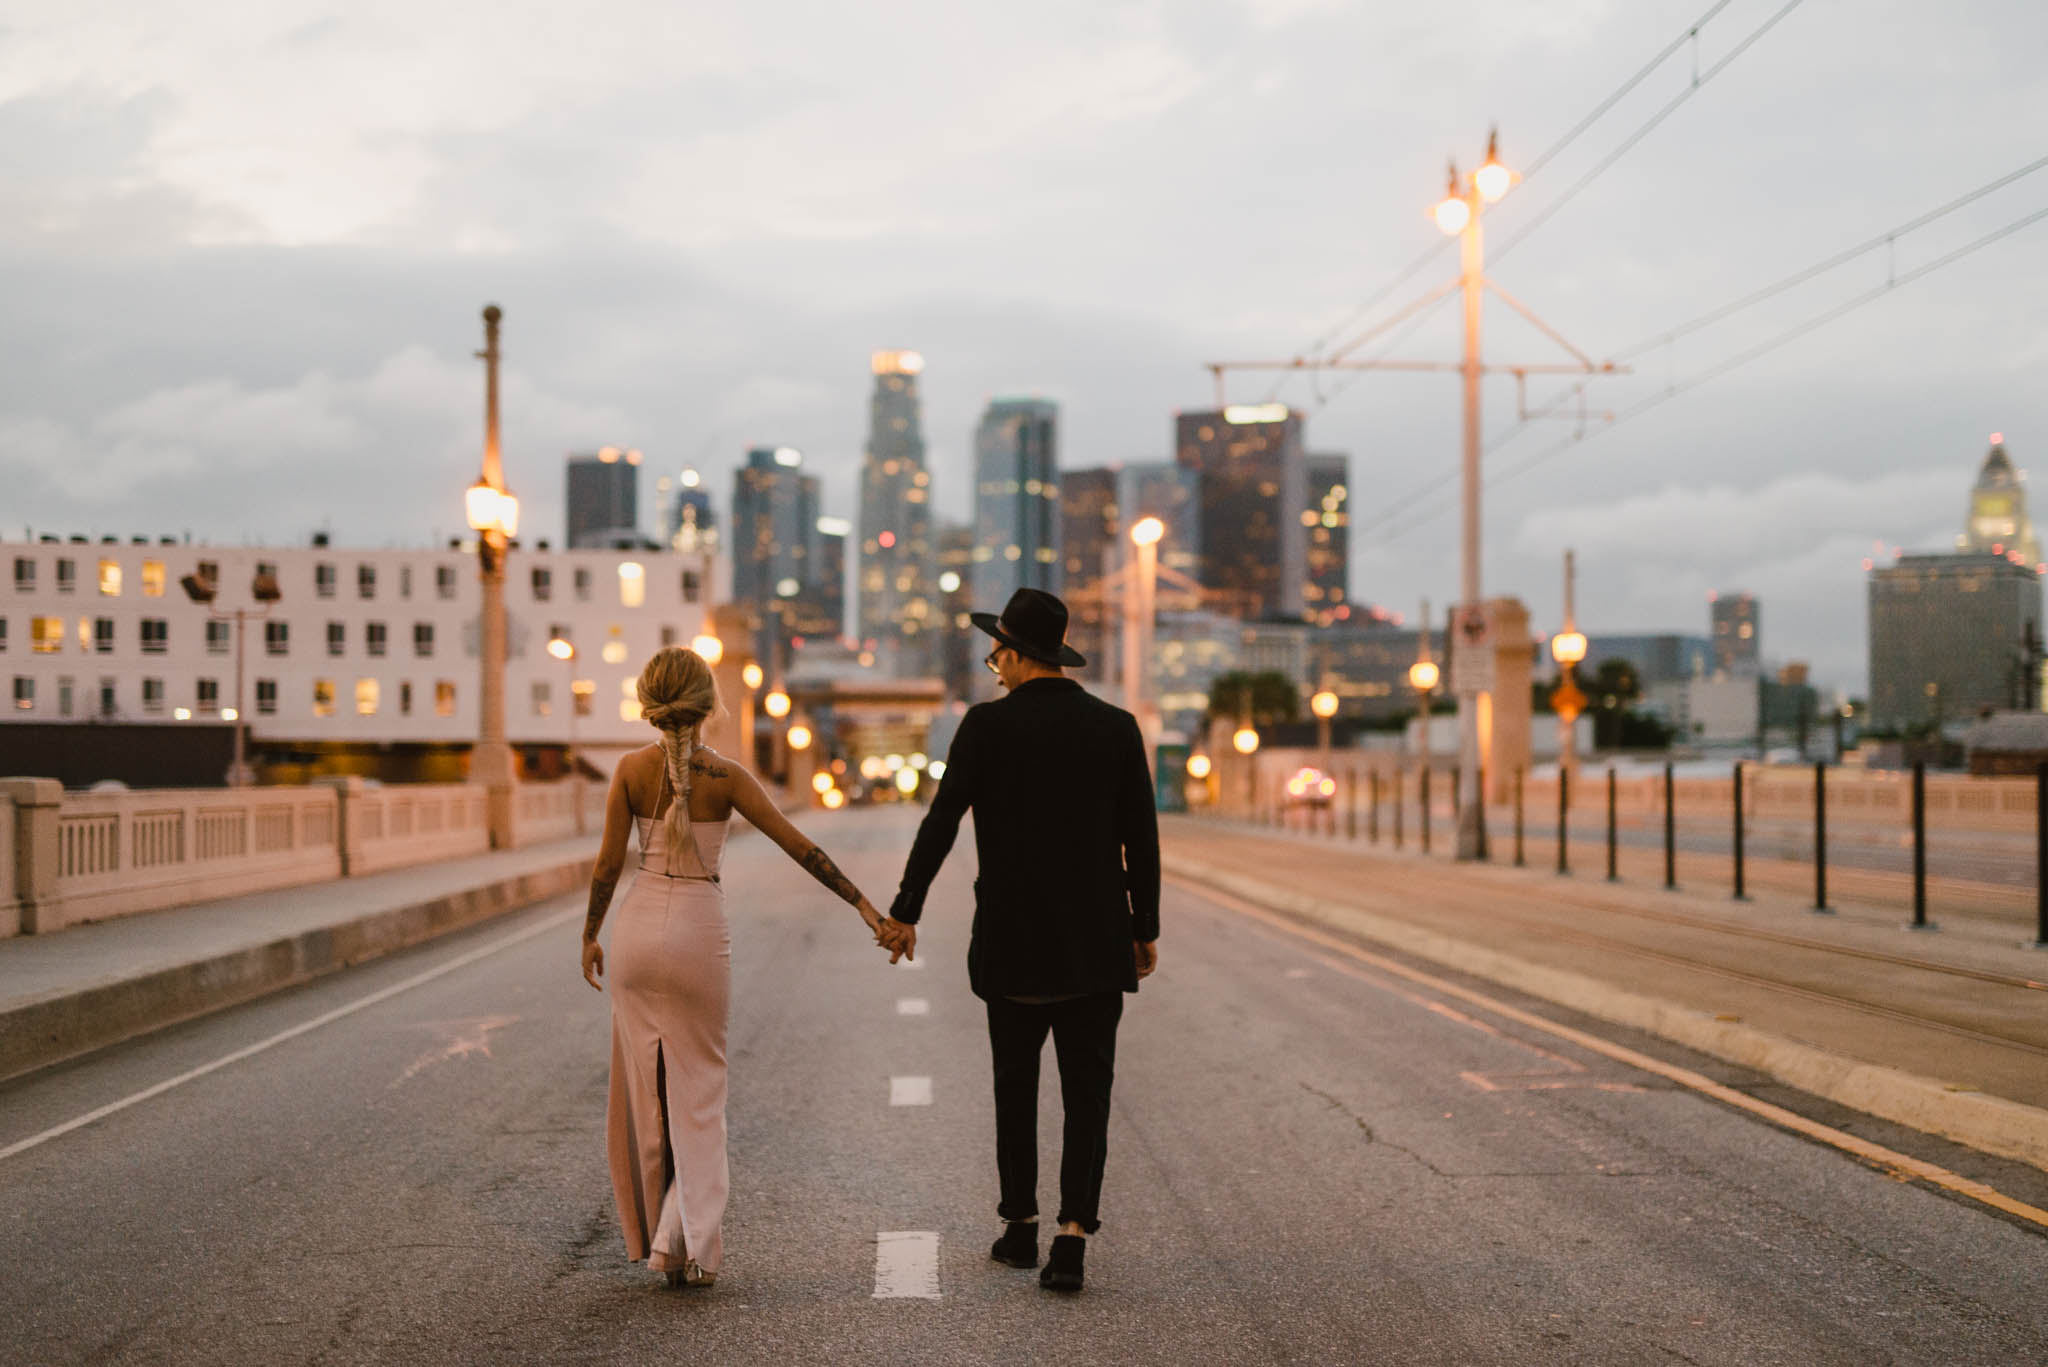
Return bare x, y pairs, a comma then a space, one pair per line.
244, 243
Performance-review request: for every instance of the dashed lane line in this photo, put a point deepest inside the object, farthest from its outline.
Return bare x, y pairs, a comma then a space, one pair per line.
910, 1091
913, 1006
907, 1265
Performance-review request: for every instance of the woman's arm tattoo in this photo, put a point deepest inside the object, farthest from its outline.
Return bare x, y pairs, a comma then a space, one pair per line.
819, 865
600, 901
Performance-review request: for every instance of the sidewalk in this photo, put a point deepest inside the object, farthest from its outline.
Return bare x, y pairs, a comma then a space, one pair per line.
1945, 1032
88, 986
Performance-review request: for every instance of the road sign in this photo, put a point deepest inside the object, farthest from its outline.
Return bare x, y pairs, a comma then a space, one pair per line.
1472, 653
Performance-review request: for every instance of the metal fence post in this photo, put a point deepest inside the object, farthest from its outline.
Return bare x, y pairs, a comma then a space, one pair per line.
1351, 804
1740, 895
1670, 829
1564, 783
1920, 921
1372, 806
1518, 818
2041, 855
1820, 840
1613, 854
1424, 798
1398, 777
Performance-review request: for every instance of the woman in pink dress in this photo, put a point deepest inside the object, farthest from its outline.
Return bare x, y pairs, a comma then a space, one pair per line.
672, 969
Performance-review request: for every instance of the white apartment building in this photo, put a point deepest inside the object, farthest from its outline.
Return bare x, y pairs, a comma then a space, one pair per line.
362, 647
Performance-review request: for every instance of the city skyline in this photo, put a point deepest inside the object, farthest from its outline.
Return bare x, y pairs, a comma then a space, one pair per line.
218, 333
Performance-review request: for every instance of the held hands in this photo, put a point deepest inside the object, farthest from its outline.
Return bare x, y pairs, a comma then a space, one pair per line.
593, 964
899, 938
1147, 954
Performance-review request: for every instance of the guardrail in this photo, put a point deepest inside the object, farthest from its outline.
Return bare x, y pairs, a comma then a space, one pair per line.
70, 858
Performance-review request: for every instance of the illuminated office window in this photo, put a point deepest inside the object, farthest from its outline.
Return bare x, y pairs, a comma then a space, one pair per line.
110, 579
46, 635
366, 697
632, 584
24, 693
444, 698
323, 697
152, 579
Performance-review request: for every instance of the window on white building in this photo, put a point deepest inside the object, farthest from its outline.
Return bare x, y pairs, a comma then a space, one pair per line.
582, 581
207, 695
366, 581
109, 700
444, 580
632, 584
323, 697
373, 638
692, 585
216, 638
444, 698
102, 635
46, 635
542, 703
152, 695
67, 576
543, 584
152, 579
323, 580
156, 635
110, 579
366, 697
24, 693
423, 639
266, 697
277, 638
24, 574
337, 637
65, 688
405, 698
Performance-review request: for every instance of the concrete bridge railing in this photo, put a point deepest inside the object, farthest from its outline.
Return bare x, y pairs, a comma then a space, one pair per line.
66, 858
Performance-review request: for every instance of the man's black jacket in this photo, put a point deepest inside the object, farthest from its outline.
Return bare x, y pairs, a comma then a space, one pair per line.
1067, 837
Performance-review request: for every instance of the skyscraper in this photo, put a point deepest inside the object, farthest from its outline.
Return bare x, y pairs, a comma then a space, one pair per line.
1016, 500
774, 544
1952, 636
691, 526
1998, 523
1737, 634
826, 592
898, 606
1254, 487
1172, 493
1327, 522
604, 499
1088, 547
961, 652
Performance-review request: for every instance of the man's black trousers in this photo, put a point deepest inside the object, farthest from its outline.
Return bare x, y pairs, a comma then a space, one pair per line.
1084, 1041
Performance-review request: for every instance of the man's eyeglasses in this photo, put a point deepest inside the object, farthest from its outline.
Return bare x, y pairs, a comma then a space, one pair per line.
990, 660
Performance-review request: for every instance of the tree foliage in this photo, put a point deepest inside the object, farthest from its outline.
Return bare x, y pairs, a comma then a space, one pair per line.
1274, 697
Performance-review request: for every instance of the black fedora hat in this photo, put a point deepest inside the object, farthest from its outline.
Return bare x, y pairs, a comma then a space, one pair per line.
1033, 623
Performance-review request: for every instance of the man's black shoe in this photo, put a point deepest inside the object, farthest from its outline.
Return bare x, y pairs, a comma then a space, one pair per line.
1062, 1270
1019, 1245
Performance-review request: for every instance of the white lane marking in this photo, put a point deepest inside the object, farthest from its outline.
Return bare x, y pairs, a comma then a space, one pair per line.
913, 1006
910, 1091
910, 963
907, 1265
304, 1027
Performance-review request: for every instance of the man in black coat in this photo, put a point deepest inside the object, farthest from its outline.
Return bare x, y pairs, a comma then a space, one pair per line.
1066, 907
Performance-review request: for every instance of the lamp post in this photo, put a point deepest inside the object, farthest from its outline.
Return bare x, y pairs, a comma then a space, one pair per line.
565, 650
494, 516
1324, 705
1246, 742
776, 705
1140, 590
263, 588
1568, 647
1459, 214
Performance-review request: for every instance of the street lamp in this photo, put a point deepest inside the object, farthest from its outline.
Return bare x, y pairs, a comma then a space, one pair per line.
709, 647
1139, 591
1459, 215
1568, 647
493, 515
263, 588
1324, 705
750, 674
776, 704
565, 650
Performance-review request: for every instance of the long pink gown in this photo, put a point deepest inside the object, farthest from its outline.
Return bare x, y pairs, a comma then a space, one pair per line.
671, 984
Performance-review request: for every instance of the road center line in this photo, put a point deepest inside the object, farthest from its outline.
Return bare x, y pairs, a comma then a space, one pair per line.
304, 1027
907, 1265
910, 1091
1900, 1163
913, 1006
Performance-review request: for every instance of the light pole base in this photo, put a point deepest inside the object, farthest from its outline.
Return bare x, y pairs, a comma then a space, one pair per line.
1472, 830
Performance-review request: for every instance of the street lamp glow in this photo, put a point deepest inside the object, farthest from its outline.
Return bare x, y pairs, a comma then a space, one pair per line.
906, 781
230, 714
491, 509
834, 799
750, 674
799, 737
776, 704
821, 783
1422, 675
1568, 647
937, 769
1146, 531
1245, 741
561, 649
1324, 704
1198, 766
1452, 214
710, 647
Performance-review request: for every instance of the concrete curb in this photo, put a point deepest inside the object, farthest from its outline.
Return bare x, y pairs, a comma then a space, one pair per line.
1988, 1123
54, 1028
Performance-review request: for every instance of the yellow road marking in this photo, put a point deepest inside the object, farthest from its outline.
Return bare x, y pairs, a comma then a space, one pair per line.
1900, 1164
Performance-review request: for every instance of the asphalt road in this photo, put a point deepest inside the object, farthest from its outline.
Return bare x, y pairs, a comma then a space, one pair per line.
1311, 1161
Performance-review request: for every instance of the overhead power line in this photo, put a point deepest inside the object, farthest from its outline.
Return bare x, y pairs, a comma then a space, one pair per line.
1715, 372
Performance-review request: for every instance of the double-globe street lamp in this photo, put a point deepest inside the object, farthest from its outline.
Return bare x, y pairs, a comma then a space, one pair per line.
263, 588
1140, 593
493, 513
1459, 214
1568, 648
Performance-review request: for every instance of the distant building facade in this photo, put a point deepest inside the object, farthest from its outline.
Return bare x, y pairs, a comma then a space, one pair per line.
961, 649
775, 549
1253, 490
1016, 500
1326, 523
898, 603
689, 522
1656, 657
1172, 493
603, 502
1952, 637
1737, 632
1089, 547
